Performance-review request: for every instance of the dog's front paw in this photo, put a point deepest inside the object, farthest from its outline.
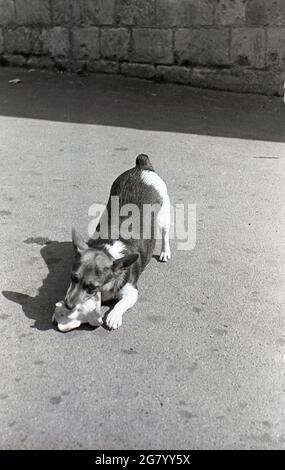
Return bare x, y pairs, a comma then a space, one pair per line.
165, 255
114, 320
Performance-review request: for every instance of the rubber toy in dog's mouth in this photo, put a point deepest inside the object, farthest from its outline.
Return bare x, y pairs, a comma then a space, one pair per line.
88, 312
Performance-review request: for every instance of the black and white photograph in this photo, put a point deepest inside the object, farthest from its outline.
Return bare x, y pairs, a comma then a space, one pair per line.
142, 222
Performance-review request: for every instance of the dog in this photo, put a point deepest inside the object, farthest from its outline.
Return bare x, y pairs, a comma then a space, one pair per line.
113, 266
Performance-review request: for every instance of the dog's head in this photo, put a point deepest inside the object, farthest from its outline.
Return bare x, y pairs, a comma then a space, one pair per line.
92, 270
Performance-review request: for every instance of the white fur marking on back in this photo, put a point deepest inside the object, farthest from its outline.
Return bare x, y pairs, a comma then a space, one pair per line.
116, 250
152, 179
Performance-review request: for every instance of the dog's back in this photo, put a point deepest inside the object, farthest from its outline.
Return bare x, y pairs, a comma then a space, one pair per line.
141, 192
131, 187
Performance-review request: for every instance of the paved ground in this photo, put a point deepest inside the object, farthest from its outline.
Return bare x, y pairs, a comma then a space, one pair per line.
199, 361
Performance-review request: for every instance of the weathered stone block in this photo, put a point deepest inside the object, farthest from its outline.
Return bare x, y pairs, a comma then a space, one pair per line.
173, 74
65, 11
115, 43
184, 13
16, 60
248, 47
85, 43
152, 45
263, 12
103, 66
138, 70
56, 42
33, 12
7, 11
18, 41
275, 54
202, 46
230, 12
135, 12
239, 80
37, 62
23, 40
36, 41
97, 12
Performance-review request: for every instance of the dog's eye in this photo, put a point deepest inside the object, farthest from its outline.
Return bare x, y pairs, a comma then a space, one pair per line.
74, 277
89, 289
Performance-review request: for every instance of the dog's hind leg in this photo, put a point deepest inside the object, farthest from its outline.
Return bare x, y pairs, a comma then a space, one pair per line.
163, 217
163, 223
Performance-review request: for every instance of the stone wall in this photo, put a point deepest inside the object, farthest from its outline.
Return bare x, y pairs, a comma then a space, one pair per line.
226, 44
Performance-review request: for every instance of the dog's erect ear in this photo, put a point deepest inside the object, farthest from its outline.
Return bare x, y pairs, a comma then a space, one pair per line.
78, 242
124, 262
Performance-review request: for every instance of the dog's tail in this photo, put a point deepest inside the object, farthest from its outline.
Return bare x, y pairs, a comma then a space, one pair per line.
142, 161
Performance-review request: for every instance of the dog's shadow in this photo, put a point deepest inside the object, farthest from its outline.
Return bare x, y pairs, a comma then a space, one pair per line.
58, 257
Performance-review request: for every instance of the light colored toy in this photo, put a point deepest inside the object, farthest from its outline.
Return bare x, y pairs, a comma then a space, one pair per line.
89, 312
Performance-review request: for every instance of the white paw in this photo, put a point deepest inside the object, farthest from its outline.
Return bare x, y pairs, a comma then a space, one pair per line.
114, 320
165, 256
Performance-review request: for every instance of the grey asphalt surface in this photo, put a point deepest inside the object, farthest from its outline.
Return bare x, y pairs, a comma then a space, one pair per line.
199, 361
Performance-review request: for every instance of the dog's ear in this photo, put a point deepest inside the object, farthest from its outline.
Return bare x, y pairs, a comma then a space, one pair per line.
78, 242
124, 262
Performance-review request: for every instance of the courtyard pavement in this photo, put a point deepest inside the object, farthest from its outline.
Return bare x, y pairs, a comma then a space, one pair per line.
199, 361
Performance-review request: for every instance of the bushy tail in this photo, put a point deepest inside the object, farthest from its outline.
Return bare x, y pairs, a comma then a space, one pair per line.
142, 161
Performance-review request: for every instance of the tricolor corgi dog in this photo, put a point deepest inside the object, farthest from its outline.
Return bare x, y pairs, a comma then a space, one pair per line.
112, 265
